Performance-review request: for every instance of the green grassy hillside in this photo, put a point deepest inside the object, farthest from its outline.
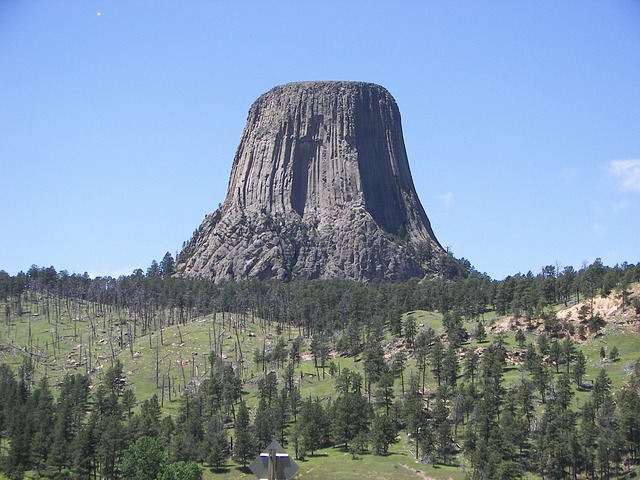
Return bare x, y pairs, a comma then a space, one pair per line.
87, 338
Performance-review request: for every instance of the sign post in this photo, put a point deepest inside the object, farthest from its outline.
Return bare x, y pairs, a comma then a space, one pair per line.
274, 464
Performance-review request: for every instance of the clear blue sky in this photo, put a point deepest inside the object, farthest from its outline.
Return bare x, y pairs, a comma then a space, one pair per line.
119, 120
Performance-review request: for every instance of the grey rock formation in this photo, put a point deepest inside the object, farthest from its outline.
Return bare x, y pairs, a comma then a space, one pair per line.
320, 188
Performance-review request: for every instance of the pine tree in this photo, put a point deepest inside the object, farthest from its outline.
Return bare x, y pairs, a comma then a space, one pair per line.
215, 447
568, 349
471, 362
311, 427
149, 418
181, 471
264, 424
410, 330
84, 451
588, 434
143, 460
450, 366
413, 413
555, 354
40, 407
442, 430
480, 333
580, 368
374, 364
609, 441
385, 394
628, 401
110, 445
556, 436
350, 416
399, 365
382, 434
601, 389
437, 354
243, 443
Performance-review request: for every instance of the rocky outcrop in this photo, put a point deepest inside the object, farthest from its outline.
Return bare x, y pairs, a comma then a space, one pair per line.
320, 188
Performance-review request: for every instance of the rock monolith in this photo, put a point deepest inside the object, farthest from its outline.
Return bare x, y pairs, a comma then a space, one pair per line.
320, 187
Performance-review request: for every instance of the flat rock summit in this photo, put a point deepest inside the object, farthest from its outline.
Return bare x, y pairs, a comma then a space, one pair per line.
320, 188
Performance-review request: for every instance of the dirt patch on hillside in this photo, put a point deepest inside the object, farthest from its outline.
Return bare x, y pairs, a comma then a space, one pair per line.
609, 307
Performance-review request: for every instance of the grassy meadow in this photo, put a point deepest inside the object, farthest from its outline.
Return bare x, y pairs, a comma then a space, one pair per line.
167, 361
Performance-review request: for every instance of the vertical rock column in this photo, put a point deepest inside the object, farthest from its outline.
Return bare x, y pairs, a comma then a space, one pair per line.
320, 187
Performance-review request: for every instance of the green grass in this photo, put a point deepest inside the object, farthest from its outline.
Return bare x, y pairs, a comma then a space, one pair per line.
336, 464
426, 319
183, 351
628, 344
186, 349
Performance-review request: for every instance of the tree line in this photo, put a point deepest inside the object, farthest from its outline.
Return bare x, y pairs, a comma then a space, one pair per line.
158, 298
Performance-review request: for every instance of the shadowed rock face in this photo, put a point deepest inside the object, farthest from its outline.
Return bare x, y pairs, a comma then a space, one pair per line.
320, 188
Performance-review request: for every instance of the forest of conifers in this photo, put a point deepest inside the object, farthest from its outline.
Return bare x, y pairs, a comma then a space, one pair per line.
500, 404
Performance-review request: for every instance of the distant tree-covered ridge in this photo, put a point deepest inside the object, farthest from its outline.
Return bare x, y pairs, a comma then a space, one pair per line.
315, 305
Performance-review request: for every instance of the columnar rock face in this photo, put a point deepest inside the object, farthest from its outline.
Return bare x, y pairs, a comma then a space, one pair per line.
320, 188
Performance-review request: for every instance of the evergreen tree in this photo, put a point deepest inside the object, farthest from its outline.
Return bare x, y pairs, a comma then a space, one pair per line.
243, 444
452, 323
414, 414
18, 455
311, 427
186, 442
215, 447
410, 330
40, 406
181, 471
84, 451
231, 389
609, 441
437, 354
556, 436
282, 413
129, 401
167, 265
382, 434
524, 397
450, 367
264, 424
628, 419
385, 393
113, 378
588, 438
601, 389
471, 362
579, 368
350, 417
149, 418
143, 460
320, 351
555, 354
515, 432
398, 366
568, 350
268, 387
374, 364
110, 445
442, 430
